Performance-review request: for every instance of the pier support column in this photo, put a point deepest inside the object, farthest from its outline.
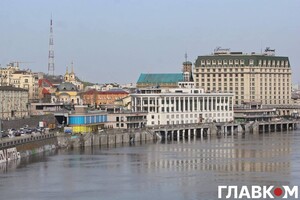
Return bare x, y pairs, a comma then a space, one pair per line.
201, 133
172, 135
178, 135
189, 133
183, 135
166, 135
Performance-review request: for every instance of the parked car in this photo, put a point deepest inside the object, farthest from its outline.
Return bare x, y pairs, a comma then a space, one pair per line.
4, 134
17, 133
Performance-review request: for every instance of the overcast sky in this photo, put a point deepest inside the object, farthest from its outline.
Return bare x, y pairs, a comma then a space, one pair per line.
115, 41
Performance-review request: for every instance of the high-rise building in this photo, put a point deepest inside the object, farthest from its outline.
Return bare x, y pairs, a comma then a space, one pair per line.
262, 78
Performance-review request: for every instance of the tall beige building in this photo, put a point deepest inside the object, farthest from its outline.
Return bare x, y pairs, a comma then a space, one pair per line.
13, 102
254, 78
13, 76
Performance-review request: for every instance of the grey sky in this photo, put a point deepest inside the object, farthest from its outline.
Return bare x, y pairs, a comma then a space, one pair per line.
115, 41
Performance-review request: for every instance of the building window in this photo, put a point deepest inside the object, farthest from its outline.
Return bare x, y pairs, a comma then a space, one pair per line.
251, 62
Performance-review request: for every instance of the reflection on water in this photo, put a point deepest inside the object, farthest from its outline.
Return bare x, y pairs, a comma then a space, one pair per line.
172, 170
19, 163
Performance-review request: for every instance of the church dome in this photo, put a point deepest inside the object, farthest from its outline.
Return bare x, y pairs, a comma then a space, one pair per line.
187, 63
66, 87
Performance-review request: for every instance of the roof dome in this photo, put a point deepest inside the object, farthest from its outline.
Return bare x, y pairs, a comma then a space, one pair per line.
187, 63
66, 86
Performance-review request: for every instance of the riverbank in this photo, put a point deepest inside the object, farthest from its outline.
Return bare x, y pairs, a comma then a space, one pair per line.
29, 145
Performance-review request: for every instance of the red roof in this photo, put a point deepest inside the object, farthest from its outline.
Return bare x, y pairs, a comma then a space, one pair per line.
114, 92
93, 91
41, 81
45, 91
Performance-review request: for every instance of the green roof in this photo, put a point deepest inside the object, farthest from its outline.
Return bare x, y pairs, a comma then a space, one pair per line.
244, 57
160, 78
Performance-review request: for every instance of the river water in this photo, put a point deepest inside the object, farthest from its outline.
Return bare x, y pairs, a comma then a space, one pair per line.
172, 170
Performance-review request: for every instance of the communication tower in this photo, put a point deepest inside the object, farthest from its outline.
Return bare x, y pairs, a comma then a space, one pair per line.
51, 51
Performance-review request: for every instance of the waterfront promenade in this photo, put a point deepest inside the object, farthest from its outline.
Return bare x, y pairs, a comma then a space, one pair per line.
108, 137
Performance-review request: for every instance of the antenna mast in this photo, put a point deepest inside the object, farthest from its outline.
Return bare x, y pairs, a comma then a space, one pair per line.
51, 51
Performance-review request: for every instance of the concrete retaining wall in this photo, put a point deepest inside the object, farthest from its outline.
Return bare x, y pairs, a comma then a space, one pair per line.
36, 147
103, 139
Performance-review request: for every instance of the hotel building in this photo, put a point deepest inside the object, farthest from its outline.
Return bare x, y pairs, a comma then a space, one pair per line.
261, 78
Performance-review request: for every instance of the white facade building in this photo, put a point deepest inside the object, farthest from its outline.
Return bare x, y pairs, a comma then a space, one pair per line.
183, 105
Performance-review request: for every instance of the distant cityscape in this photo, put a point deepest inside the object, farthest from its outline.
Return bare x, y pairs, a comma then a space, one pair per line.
224, 86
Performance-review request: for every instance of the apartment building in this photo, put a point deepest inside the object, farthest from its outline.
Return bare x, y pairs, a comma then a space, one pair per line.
14, 102
13, 76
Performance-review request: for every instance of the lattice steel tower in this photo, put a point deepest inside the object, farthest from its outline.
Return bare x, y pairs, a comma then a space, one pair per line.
51, 51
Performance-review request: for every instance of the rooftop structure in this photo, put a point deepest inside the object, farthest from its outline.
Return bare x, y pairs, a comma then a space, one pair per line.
159, 80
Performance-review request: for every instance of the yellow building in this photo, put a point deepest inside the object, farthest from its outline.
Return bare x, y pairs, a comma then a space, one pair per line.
67, 93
